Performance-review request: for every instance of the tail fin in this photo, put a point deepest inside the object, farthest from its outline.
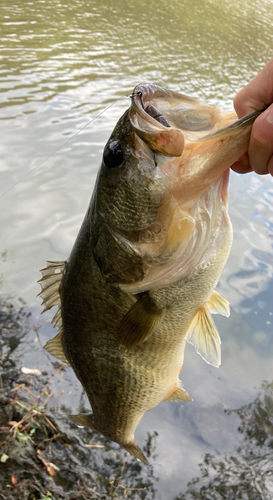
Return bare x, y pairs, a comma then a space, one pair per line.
87, 420
136, 451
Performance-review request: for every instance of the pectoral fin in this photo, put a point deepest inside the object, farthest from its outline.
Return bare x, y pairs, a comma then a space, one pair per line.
139, 322
204, 336
217, 304
136, 451
178, 394
55, 348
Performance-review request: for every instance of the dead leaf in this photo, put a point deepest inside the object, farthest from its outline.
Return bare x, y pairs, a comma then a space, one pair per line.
4, 458
50, 467
14, 480
11, 423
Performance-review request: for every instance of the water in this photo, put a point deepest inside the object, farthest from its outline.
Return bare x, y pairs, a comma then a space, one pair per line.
62, 64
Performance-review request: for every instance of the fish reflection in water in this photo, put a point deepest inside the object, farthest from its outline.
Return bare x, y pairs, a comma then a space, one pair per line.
140, 280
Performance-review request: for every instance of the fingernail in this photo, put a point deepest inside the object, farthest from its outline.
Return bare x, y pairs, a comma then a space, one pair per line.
269, 115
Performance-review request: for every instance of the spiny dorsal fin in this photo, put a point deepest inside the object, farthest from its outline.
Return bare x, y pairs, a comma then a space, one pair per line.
178, 394
139, 322
52, 267
217, 304
55, 348
83, 420
136, 451
50, 284
204, 336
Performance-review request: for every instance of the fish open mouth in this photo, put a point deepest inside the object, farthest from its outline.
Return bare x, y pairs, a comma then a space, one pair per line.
165, 119
150, 123
151, 110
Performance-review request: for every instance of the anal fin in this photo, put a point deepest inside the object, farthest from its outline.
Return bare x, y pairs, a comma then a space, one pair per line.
178, 394
204, 335
217, 304
139, 322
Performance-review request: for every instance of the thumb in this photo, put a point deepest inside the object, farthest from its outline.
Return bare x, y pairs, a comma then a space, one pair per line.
260, 149
256, 94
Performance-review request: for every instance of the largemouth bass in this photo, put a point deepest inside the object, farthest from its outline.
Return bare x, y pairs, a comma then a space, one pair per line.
140, 281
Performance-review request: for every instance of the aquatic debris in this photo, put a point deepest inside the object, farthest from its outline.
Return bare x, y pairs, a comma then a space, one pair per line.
32, 371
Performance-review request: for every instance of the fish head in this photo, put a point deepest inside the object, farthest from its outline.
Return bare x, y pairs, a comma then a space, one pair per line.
168, 157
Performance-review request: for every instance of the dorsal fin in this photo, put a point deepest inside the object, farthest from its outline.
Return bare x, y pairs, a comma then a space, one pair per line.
55, 347
50, 284
204, 336
83, 420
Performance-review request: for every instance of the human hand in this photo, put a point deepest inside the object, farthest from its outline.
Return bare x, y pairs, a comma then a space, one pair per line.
255, 96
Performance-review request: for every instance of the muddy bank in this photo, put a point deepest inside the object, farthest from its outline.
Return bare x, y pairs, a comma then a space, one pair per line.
43, 454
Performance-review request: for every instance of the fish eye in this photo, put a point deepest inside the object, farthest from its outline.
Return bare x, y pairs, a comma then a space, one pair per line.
113, 155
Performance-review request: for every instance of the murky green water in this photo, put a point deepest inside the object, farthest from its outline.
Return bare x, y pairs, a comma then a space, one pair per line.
62, 64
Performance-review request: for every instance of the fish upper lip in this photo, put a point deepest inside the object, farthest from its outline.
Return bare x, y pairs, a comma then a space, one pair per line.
149, 122
142, 95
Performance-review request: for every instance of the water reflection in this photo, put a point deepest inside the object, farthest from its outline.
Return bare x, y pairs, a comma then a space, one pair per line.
76, 44
247, 472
